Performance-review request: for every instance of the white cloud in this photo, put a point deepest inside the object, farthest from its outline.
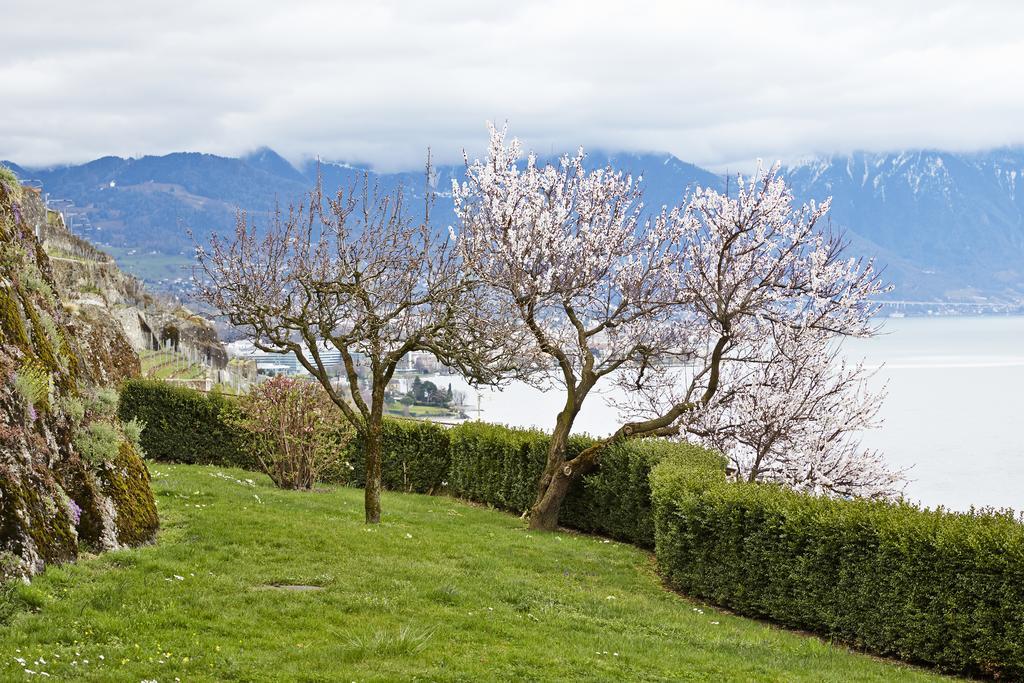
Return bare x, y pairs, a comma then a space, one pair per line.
714, 83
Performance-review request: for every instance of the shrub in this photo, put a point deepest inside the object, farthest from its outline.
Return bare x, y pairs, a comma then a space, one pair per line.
941, 588
284, 420
502, 466
101, 402
416, 457
34, 384
98, 442
74, 408
184, 425
133, 434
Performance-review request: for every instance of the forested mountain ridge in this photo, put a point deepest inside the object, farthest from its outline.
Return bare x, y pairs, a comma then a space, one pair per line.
945, 225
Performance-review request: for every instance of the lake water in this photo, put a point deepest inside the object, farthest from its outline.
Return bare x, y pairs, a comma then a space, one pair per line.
953, 412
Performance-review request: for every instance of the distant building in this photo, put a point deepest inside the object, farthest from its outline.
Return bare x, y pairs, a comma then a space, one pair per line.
284, 363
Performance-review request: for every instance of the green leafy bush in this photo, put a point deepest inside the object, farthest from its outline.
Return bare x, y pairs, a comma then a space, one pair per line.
184, 425
286, 422
74, 408
940, 588
101, 402
98, 442
133, 434
497, 465
34, 384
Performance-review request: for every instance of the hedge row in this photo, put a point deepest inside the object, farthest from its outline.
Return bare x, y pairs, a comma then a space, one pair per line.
936, 588
184, 425
415, 458
939, 588
500, 466
615, 500
491, 464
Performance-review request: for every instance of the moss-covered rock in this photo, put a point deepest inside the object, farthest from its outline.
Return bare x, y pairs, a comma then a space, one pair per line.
54, 497
12, 326
35, 520
126, 482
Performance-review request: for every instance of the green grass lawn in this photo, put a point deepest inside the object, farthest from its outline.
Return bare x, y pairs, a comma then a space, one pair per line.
439, 591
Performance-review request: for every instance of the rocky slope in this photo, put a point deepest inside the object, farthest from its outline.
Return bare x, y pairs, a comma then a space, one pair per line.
71, 475
100, 297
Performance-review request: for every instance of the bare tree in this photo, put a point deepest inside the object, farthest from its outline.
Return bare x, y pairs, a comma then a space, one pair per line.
604, 291
356, 273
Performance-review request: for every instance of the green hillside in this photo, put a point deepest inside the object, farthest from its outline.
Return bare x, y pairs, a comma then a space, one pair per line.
248, 582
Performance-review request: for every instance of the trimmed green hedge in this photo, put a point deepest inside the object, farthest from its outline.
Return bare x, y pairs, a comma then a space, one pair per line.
416, 457
490, 464
939, 588
500, 466
184, 425
615, 499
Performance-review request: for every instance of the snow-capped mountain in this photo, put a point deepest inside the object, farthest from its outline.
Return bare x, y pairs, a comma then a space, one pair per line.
947, 224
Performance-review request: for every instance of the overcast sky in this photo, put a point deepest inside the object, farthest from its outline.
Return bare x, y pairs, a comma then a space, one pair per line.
714, 82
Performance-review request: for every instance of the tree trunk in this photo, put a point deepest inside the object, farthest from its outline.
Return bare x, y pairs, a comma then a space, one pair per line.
372, 485
544, 513
554, 482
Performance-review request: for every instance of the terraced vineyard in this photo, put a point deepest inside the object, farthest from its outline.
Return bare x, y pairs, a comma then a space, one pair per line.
166, 364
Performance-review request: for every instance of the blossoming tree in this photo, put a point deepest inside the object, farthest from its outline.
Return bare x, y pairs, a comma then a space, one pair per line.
607, 293
793, 414
357, 273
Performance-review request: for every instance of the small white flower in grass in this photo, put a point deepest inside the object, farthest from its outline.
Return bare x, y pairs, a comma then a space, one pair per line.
715, 623
179, 578
408, 535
